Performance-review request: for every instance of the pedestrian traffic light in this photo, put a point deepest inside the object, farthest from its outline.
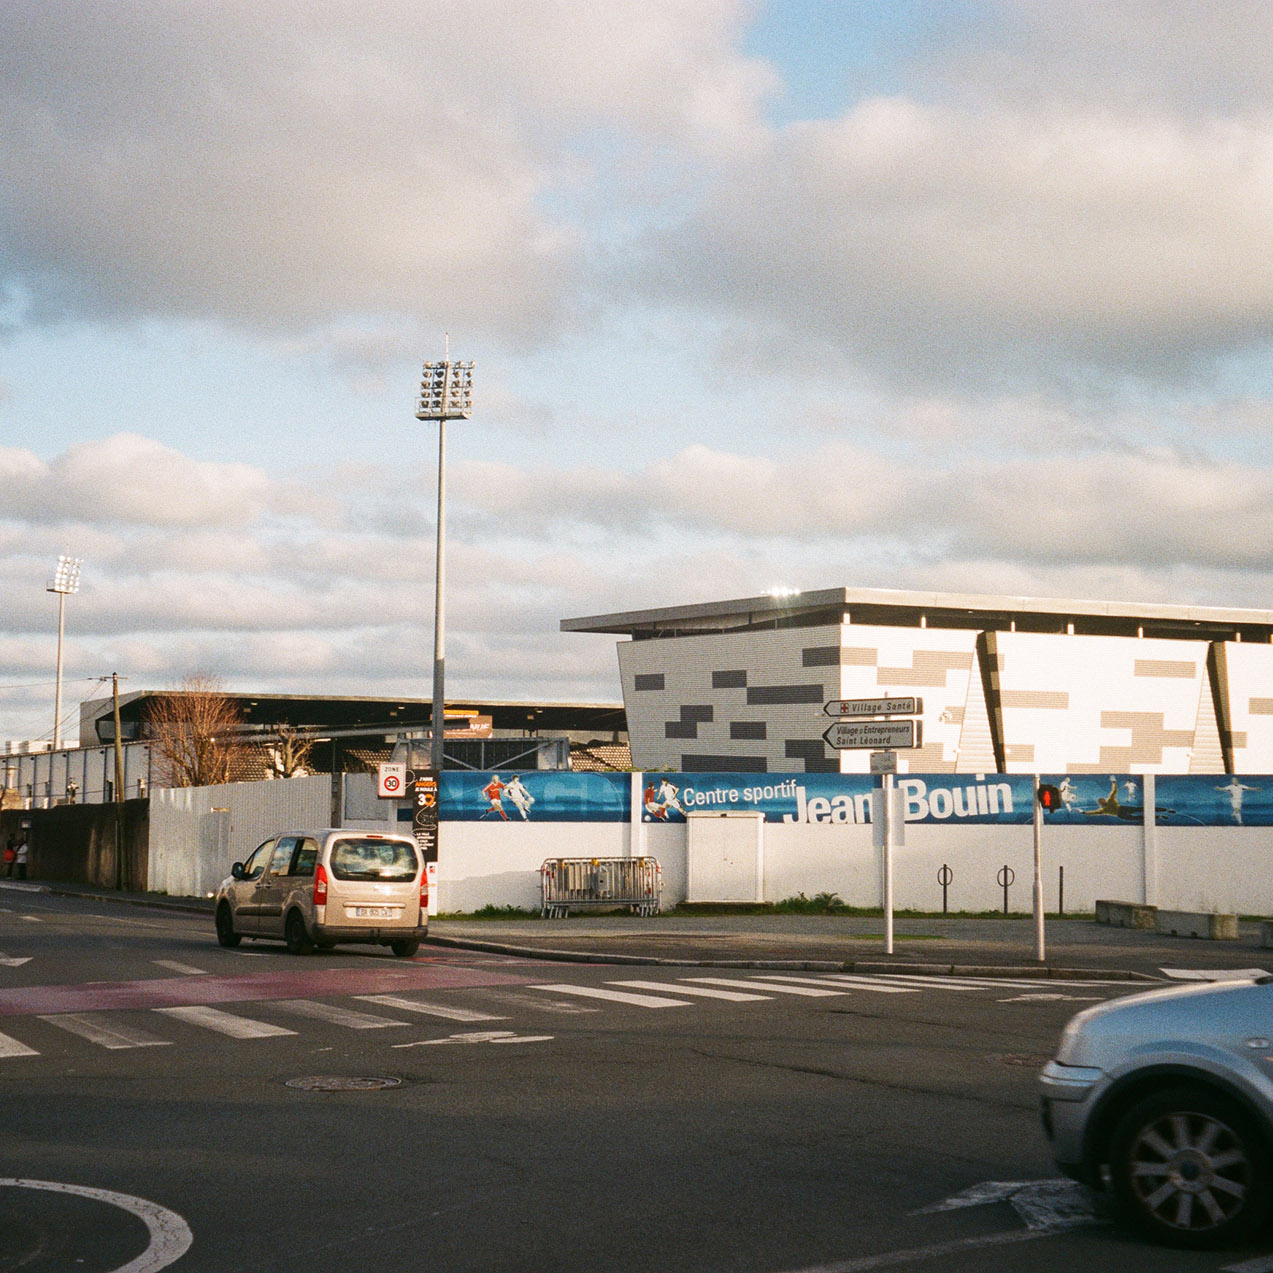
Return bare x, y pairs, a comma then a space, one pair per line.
1049, 796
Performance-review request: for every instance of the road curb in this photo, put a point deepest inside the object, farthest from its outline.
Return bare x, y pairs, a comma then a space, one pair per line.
1034, 971
188, 905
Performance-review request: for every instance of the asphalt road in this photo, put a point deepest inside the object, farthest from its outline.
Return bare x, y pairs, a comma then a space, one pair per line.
167, 1103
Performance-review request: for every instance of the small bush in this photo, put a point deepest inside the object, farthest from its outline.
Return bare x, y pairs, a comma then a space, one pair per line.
491, 911
818, 904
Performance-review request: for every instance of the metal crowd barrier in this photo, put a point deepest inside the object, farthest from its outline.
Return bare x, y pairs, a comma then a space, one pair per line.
633, 882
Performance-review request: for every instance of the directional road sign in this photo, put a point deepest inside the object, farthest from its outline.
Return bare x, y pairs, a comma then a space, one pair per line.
874, 707
875, 735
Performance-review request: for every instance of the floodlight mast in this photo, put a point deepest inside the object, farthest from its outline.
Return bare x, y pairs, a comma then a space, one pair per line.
446, 393
65, 582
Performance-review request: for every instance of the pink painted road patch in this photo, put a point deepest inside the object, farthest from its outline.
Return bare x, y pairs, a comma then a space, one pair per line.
172, 992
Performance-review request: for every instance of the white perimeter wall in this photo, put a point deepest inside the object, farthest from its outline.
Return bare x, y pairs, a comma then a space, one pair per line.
196, 833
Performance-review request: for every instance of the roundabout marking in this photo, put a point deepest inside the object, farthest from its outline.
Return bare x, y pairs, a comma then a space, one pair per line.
170, 1236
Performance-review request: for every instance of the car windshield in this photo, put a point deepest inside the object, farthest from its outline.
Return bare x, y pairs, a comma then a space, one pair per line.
371, 859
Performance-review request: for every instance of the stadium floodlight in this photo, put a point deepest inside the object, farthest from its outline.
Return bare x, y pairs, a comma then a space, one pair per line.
446, 393
65, 582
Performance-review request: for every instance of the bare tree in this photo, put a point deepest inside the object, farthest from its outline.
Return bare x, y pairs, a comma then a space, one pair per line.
288, 751
196, 733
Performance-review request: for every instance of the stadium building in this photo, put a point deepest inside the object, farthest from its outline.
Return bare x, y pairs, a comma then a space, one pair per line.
1009, 684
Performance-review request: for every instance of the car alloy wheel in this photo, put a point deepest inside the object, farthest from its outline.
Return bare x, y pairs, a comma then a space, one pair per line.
1186, 1168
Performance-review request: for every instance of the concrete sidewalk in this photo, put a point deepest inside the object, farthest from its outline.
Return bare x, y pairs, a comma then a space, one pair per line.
967, 945
987, 946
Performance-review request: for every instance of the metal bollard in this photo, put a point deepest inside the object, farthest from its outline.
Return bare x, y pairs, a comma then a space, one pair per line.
944, 877
1005, 878
1060, 899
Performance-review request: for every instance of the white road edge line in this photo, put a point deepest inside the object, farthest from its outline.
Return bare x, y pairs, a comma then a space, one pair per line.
170, 1236
887, 1259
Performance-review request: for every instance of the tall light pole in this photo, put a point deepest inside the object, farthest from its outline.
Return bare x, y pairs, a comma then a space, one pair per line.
66, 580
446, 393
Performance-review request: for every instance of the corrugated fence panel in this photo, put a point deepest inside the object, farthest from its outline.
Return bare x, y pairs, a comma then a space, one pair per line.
196, 833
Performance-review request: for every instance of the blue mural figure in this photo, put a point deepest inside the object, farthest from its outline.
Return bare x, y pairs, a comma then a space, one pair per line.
1234, 790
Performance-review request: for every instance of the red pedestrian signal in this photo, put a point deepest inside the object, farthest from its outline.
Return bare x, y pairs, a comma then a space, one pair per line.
1049, 797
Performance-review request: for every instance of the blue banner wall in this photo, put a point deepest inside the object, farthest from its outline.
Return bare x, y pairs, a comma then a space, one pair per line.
1214, 800
836, 798
546, 795
954, 799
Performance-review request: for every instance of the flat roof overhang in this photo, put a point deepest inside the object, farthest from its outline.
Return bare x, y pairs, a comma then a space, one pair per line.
888, 607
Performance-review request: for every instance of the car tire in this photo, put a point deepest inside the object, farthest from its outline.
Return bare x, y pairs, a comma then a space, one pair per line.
226, 935
405, 948
298, 940
1188, 1169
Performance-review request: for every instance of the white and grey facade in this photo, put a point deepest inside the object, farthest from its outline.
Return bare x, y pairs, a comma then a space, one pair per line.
1008, 684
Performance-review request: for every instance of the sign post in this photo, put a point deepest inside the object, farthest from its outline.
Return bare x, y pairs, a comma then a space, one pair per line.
424, 826
1038, 872
883, 738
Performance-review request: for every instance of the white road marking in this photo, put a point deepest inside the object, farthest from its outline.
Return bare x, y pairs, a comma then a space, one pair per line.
173, 966
1261, 1264
170, 1236
776, 984
429, 1009
14, 961
480, 1036
541, 1005
910, 1255
1048, 1207
995, 983
336, 1015
225, 1022
91, 1027
11, 1047
701, 992
616, 996
874, 984
1214, 974
1051, 998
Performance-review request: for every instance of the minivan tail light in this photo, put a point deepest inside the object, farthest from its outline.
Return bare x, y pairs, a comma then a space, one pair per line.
424, 891
320, 886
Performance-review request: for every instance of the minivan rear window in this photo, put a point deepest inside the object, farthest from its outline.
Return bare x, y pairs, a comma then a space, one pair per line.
359, 859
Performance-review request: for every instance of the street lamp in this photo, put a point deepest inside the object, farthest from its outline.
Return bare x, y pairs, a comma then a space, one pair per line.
66, 580
446, 393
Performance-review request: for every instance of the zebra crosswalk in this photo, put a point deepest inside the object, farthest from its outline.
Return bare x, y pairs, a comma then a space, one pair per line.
118, 1029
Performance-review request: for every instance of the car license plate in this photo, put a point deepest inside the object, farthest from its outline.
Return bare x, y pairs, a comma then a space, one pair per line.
375, 912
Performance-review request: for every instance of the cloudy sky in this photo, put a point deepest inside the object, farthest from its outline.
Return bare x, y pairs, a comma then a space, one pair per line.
941, 294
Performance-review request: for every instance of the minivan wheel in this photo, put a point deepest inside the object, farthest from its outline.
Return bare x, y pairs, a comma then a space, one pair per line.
298, 940
1188, 1170
226, 935
405, 948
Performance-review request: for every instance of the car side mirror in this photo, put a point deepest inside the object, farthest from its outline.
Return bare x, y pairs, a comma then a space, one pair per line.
236, 871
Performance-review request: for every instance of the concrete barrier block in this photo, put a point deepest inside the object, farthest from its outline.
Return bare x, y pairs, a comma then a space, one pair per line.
1126, 915
1198, 924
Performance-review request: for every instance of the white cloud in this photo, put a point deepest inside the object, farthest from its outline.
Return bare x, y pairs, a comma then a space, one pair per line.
290, 163
130, 479
930, 242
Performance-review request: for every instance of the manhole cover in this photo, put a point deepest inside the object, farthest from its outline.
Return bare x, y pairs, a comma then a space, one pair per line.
341, 1083
1031, 1060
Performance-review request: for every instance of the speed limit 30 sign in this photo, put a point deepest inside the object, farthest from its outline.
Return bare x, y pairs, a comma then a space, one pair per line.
392, 781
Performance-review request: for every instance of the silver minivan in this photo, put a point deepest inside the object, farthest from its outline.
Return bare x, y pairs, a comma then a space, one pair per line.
317, 888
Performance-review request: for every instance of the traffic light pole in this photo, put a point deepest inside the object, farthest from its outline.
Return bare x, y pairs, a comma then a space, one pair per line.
1038, 874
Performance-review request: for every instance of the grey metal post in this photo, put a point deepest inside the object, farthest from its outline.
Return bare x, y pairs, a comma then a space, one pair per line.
438, 707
